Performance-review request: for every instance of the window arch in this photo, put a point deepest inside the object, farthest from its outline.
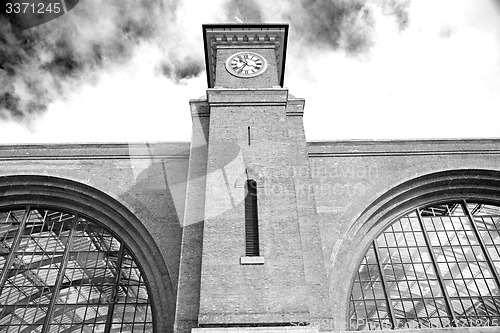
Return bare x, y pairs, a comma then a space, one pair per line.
437, 266
109, 218
64, 272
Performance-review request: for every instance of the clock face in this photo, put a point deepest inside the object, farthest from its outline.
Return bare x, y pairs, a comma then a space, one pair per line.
246, 64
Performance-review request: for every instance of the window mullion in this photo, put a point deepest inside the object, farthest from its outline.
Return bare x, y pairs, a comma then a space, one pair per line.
60, 275
114, 291
388, 299
15, 245
447, 299
481, 244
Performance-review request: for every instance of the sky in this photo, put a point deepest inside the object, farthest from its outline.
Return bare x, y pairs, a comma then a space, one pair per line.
125, 70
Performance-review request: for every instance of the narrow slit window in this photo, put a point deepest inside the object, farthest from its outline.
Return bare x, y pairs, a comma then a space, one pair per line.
251, 219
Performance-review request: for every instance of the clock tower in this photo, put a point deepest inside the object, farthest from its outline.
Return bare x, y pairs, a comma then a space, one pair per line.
249, 230
245, 55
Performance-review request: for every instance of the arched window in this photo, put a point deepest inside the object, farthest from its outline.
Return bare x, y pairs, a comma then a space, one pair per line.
437, 266
64, 272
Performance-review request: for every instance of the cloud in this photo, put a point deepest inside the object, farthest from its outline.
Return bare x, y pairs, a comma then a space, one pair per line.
399, 9
378, 57
340, 25
442, 66
247, 10
183, 61
335, 24
45, 63
347, 25
182, 69
496, 3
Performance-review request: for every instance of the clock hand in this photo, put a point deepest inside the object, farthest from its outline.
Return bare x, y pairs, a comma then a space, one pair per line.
251, 66
242, 61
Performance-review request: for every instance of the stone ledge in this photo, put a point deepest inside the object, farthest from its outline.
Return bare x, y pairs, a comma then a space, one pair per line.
252, 260
285, 329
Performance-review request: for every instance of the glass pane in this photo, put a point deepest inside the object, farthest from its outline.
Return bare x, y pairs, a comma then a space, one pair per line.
368, 308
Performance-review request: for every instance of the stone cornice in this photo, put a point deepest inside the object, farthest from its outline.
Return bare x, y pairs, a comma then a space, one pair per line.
199, 108
247, 97
95, 151
429, 147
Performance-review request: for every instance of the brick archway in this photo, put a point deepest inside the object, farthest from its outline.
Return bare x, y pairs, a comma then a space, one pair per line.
71, 196
472, 184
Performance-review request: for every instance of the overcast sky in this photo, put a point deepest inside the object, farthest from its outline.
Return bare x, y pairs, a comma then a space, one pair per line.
124, 70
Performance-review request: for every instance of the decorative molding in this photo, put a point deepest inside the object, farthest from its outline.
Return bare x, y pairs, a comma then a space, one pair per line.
199, 108
247, 95
263, 329
68, 152
404, 153
89, 157
295, 113
222, 104
422, 147
295, 106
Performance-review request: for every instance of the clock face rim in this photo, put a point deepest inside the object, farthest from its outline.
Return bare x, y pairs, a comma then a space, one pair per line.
231, 70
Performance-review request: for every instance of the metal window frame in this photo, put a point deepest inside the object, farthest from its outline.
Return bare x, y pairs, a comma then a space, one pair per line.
439, 275
45, 322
